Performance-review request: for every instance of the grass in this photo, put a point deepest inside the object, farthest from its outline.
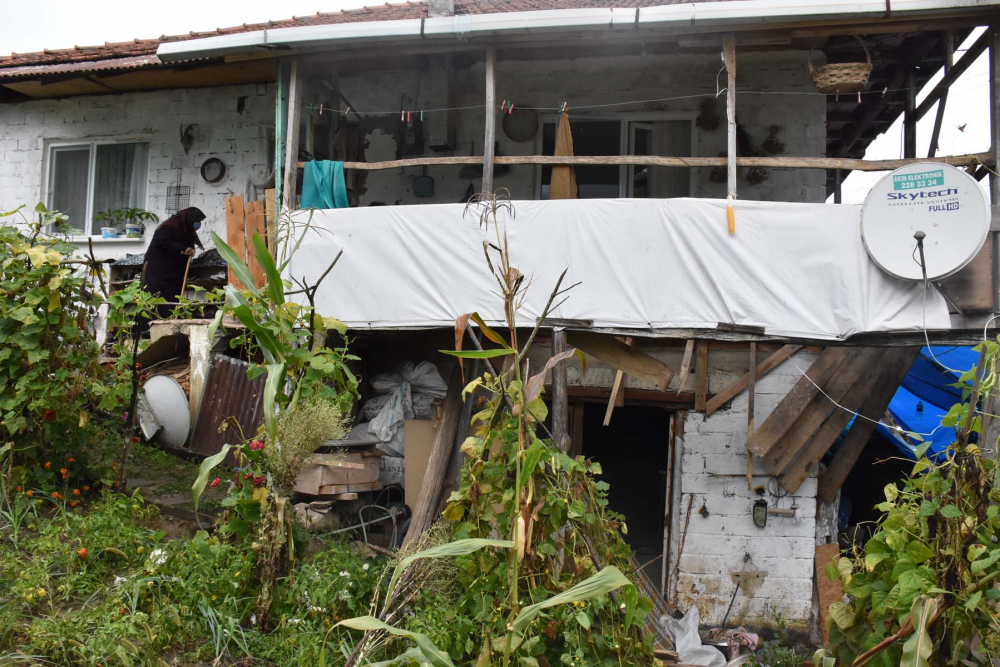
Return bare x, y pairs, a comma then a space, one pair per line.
167, 478
107, 583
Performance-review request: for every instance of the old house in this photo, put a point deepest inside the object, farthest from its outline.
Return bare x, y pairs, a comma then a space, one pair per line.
706, 342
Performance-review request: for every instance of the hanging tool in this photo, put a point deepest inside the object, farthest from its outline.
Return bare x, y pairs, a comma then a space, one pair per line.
739, 580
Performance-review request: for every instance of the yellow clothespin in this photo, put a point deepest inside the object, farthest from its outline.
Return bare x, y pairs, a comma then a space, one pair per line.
730, 214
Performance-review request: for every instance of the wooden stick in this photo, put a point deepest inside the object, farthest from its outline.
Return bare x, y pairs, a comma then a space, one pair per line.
701, 377
491, 119
184, 282
560, 395
736, 387
847, 164
729, 55
750, 410
616, 391
685, 365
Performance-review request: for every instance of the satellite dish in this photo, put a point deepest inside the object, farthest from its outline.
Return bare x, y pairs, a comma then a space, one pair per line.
943, 202
169, 405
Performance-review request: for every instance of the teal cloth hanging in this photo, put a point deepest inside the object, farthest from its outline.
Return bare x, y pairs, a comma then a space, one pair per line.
323, 185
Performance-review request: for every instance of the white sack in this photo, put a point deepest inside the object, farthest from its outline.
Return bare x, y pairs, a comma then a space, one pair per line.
798, 270
408, 392
687, 641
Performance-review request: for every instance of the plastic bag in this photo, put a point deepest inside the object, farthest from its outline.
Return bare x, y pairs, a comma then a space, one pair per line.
407, 392
687, 641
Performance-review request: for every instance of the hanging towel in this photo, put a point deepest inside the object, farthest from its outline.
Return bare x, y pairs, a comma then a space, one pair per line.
563, 185
323, 185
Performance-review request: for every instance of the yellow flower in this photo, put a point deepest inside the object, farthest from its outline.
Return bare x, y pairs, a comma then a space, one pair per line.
41, 593
213, 598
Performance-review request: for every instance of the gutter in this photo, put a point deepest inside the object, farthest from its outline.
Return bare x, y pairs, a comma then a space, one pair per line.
465, 27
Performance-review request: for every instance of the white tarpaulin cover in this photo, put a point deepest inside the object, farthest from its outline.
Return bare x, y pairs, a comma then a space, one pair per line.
797, 270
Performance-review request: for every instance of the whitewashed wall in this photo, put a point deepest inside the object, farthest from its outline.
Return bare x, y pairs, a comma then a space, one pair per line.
27, 128
791, 102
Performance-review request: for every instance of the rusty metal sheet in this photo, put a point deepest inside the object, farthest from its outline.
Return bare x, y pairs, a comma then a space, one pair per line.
228, 393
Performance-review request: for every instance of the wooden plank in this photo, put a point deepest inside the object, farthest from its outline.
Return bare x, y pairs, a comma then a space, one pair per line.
617, 398
255, 224
948, 47
617, 354
426, 506
801, 395
909, 120
897, 362
560, 395
701, 379
491, 119
235, 233
576, 448
798, 472
270, 219
292, 138
763, 368
848, 164
685, 365
830, 590
750, 410
848, 374
994, 73
729, 55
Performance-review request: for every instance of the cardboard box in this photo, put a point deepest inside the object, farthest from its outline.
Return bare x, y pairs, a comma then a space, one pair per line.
329, 474
418, 441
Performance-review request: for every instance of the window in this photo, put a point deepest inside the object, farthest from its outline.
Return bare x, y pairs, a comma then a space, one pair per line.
624, 137
85, 179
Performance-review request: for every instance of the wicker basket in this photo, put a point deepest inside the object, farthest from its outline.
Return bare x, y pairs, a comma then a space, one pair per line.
838, 78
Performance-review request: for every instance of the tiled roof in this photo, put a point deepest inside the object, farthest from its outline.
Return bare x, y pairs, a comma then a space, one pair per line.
386, 12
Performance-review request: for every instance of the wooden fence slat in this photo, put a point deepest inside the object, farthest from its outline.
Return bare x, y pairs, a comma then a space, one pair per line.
701, 376
255, 223
235, 232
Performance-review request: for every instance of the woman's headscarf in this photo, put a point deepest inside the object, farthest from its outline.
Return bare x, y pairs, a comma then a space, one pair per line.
183, 221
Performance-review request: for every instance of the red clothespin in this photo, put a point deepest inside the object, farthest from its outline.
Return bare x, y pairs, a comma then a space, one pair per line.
511, 110
503, 105
407, 117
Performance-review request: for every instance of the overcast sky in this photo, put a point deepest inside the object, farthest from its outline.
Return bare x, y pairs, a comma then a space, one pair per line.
53, 24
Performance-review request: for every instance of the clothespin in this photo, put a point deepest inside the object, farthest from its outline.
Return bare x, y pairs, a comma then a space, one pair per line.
885, 90
503, 105
407, 117
421, 115
320, 108
730, 214
402, 115
511, 110
859, 97
348, 110
562, 109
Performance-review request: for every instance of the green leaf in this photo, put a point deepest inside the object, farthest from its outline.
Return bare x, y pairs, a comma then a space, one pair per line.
448, 549
918, 552
842, 615
583, 620
275, 288
973, 602
630, 594
203, 472
918, 648
982, 564
602, 583
951, 512
432, 653
272, 387
478, 354
269, 346
531, 458
235, 263
489, 333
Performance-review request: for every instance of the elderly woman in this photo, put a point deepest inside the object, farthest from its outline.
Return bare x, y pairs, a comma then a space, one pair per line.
168, 255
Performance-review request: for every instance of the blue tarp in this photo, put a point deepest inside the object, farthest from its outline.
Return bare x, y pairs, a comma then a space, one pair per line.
925, 397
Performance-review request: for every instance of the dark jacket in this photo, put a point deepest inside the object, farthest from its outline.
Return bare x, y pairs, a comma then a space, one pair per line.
165, 258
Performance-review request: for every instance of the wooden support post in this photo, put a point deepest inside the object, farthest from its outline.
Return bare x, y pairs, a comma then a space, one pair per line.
909, 117
750, 410
838, 195
729, 55
491, 119
437, 465
763, 368
685, 366
953, 73
948, 43
994, 111
560, 395
280, 113
701, 379
292, 138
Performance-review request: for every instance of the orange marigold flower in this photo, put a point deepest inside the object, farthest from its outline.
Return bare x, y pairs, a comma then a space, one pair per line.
86, 488
76, 492
48, 464
29, 493
72, 503
17, 488
63, 471
70, 460
135, 440
57, 495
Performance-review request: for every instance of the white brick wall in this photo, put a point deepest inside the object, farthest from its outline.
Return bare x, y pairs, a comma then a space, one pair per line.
712, 471
157, 117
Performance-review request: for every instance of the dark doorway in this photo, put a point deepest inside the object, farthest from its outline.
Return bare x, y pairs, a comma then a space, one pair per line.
634, 453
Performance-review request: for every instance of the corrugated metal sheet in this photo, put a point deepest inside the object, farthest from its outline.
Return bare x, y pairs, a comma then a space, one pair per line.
131, 62
227, 393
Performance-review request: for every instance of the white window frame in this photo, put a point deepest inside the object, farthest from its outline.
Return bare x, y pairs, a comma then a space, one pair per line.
624, 120
54, 146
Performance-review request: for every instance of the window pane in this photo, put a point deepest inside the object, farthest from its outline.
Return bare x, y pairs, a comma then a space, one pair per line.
119, 177
590, 137
70, 177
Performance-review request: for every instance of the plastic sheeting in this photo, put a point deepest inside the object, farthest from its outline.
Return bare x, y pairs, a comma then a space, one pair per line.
797, 270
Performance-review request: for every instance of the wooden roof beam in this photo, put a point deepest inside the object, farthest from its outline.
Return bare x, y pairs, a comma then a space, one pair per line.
970, 56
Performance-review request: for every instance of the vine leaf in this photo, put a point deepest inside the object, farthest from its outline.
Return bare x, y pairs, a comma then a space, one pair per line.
918, 648
533, 389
